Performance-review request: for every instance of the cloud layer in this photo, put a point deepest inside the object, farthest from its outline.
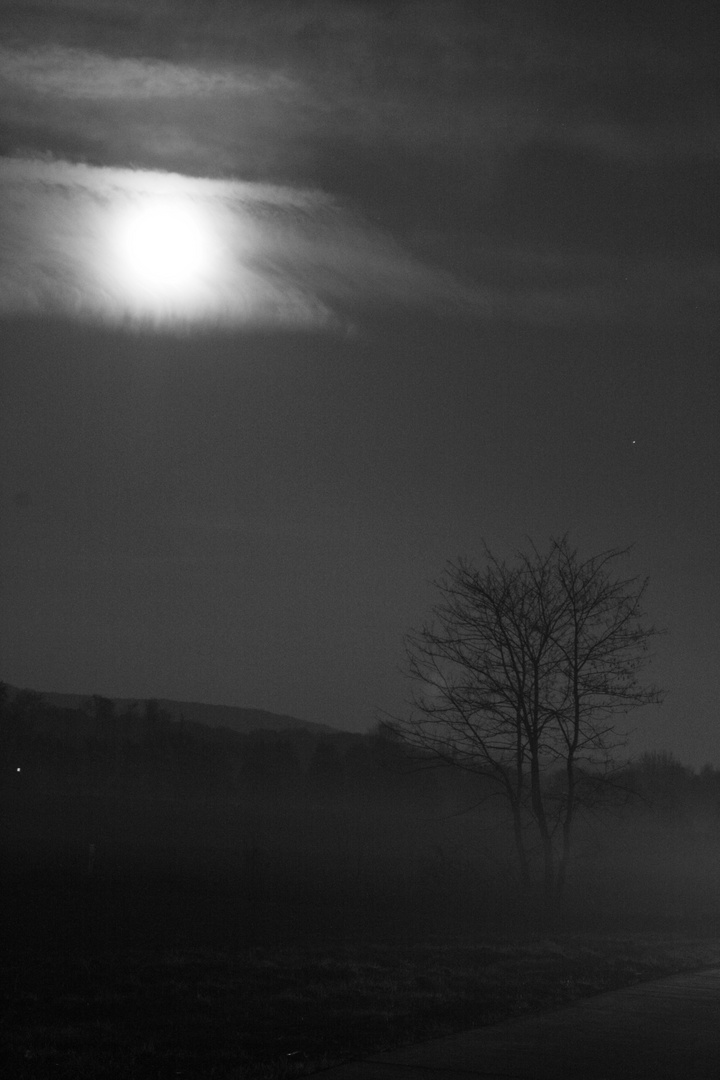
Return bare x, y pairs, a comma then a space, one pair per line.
284, 257
82, 74
264, 79
507, 132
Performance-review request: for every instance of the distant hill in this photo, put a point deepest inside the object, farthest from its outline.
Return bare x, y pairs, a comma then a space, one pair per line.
227, 716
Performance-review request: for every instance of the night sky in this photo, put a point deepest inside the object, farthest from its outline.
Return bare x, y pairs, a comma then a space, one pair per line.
300, 300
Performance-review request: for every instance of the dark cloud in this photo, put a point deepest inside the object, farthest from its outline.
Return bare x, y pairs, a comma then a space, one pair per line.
470, 79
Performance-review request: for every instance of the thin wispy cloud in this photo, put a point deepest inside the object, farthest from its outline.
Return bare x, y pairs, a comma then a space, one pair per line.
89, 242
81, 74
452, 78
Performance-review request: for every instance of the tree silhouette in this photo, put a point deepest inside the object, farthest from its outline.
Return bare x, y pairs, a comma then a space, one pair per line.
521, 676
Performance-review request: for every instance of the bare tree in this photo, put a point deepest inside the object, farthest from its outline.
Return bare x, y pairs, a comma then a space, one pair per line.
521, 677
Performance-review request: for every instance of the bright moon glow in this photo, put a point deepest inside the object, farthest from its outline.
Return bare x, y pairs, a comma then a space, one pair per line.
140, 249
165, 250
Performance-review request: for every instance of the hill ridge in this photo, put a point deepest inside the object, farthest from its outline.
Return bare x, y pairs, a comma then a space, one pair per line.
235, 717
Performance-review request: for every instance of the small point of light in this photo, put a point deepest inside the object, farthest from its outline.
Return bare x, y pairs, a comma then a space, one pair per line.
18, 770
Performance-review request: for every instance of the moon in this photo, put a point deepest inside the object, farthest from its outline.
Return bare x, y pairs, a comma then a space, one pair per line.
165, 251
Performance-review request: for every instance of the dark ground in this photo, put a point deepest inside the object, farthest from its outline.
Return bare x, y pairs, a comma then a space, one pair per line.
195, 978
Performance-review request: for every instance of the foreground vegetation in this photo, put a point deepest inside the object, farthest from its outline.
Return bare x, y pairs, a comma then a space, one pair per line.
283, 1011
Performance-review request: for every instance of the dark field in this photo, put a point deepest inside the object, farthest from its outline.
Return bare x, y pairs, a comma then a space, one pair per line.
79, 1002
194, 903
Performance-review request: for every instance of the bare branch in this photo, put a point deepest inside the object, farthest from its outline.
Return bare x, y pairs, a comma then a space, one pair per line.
521, 672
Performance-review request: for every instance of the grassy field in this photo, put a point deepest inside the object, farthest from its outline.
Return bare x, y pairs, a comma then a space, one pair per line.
276, 1012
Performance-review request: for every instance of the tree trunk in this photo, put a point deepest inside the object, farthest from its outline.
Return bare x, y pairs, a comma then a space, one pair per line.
522, 855
541, 822
567, 829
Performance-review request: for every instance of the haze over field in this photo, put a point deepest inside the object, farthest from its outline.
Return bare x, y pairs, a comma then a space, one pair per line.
299, 301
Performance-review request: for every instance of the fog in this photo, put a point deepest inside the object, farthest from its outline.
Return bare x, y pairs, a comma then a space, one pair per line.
138, 828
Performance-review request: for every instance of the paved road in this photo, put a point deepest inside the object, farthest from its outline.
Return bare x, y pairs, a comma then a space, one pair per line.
663, 1030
